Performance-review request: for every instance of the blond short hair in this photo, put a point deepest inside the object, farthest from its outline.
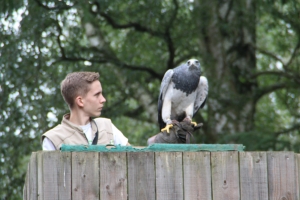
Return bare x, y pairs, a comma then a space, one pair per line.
75, 84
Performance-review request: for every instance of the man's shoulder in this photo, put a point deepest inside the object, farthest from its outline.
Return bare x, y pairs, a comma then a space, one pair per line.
56, 130
104, 124
102, 119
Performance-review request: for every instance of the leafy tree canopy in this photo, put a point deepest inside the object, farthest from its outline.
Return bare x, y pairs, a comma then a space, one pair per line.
249, 52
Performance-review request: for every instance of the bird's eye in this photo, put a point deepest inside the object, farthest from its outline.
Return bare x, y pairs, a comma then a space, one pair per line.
197, 61
188, 62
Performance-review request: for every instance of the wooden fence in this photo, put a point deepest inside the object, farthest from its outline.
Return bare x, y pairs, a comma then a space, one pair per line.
229, 175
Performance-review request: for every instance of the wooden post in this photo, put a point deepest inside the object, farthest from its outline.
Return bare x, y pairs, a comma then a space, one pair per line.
169, 177
297, 172
56, 175
225, 175
253, 175
197, 175
31, 179
40, 178
85, 175
281, 176
113, 176
141, 176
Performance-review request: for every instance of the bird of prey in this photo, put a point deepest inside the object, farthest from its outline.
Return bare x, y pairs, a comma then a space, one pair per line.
183, 92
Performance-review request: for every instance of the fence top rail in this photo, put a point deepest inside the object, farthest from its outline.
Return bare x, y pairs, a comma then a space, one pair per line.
154, 148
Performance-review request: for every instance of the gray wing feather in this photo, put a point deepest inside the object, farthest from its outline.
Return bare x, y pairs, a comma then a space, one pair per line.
163, 88
202, 91
165, 83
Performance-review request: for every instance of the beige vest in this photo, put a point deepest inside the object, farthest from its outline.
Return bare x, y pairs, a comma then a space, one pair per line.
69, 133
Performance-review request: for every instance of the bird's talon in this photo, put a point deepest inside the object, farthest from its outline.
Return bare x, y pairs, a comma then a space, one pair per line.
167, 128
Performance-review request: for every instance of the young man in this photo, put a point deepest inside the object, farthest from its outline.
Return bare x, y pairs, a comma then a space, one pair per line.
82, 92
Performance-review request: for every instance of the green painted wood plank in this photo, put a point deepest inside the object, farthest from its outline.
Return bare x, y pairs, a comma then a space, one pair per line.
155, 148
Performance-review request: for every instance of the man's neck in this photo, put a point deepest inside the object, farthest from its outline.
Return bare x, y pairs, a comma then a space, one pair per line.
79, 118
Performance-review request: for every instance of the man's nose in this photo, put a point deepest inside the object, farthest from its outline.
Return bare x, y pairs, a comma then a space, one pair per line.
103, 99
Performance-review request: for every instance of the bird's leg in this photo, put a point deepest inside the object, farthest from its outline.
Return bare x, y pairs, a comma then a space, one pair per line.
190, 120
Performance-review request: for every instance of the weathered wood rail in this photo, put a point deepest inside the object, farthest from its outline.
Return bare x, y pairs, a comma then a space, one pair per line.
226, 175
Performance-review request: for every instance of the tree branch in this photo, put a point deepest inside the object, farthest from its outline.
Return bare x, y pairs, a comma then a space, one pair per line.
169, 41
293, 54
63, 54
168, 38
268, 89
116, 63
267, 53
174, 15
150, 71
293, 76
275, 57
136, 26
293, 128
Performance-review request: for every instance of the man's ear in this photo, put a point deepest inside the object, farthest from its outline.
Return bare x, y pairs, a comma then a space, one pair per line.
79, 101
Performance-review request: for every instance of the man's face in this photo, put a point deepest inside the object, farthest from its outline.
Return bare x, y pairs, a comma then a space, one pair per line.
94, 100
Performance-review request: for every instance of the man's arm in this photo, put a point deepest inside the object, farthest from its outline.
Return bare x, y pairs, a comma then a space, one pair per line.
48, 145
119, 138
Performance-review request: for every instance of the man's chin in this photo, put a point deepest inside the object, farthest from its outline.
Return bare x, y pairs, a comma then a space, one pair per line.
96, 114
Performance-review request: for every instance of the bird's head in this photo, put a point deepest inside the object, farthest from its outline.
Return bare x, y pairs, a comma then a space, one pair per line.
193, 64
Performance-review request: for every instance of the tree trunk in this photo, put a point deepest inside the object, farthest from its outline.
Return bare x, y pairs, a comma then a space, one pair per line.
231, 61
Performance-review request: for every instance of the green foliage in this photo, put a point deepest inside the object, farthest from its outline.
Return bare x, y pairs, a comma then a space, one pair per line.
132, 44
137, 131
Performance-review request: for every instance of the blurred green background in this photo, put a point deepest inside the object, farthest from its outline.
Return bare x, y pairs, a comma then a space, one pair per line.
249, 51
